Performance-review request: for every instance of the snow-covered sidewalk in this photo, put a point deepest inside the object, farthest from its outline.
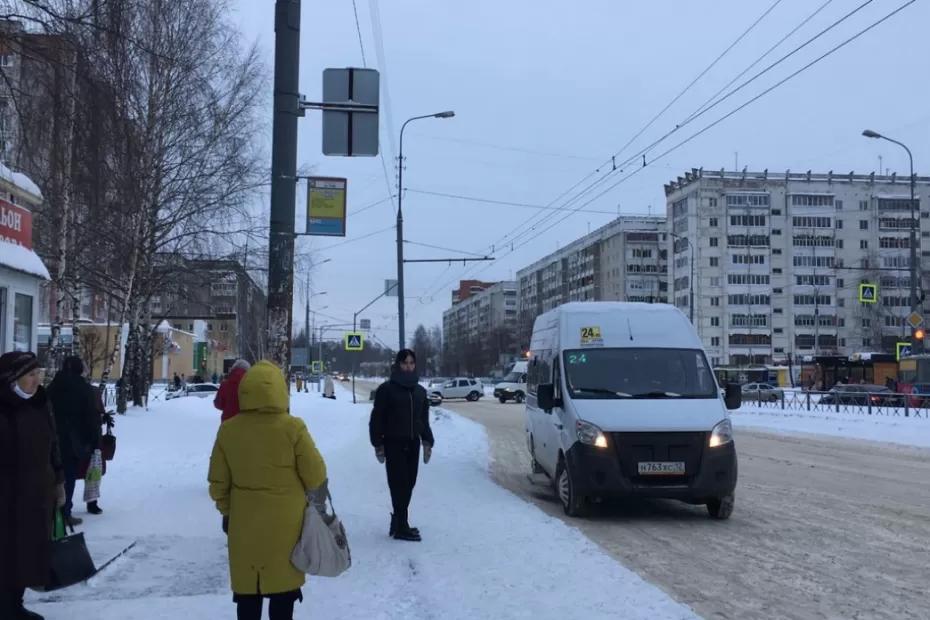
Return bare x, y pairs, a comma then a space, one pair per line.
910, 431
485, 554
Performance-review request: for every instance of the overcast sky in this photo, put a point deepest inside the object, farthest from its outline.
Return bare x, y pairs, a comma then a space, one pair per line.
545, 92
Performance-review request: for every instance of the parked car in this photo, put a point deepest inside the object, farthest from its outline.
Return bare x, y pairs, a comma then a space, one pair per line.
762, 392
434, 399
200, 390
861, 395
469, 389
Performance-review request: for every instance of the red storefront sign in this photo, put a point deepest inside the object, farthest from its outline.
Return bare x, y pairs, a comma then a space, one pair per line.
15, 224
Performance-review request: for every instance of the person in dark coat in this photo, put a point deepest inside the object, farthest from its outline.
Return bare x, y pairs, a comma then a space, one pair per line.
31, 480
399, 424
74, 404
227, 397
177, 382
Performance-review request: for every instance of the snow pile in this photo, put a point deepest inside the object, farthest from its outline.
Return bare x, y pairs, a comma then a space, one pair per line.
23, 259
486, 553
910, 431
20, 180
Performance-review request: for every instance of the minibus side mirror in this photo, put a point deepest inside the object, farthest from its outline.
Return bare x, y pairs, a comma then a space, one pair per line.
733, 398
545, 396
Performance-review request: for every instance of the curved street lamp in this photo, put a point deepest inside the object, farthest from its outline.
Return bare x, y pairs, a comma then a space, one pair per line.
400, 221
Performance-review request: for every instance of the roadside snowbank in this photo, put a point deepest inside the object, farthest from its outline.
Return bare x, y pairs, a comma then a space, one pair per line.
910, 431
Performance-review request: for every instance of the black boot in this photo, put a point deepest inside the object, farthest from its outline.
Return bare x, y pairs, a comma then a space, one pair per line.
25, 614
393, 529
94, 509
405, 532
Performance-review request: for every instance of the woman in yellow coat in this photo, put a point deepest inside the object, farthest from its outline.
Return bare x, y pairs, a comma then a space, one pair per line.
263, 465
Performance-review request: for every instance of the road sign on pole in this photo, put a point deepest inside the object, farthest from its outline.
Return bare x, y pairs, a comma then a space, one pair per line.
364, 324
390, 288
902, 349
868, 293
349, 129
316, 367
354, 341
915, 320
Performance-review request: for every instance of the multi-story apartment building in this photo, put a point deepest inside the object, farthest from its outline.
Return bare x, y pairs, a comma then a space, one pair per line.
479, 329
778, 260
223, 295
624, 260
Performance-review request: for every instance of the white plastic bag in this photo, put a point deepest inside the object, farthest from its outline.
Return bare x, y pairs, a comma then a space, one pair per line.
323, 548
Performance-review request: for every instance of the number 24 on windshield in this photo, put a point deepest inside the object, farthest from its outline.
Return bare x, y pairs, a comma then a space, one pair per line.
577, 358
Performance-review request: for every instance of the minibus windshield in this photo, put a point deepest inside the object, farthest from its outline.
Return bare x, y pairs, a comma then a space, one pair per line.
638, 373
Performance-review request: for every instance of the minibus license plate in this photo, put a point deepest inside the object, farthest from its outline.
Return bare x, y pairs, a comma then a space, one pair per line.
661, 468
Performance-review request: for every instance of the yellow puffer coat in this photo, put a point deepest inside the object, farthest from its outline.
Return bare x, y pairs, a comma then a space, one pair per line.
263, 462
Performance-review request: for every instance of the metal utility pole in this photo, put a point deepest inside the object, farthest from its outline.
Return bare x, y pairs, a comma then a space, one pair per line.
868, 133
283, 185
400, 223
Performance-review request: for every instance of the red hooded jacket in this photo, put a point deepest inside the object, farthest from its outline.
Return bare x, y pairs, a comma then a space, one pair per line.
227, 397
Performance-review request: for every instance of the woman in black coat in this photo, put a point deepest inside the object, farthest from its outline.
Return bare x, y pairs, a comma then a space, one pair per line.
30, 475
77, 415
399, 424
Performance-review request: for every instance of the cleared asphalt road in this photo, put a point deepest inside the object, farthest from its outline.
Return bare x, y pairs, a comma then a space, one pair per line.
822, 528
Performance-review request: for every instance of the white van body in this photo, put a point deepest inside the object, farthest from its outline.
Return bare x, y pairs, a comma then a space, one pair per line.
634, 407
513, 387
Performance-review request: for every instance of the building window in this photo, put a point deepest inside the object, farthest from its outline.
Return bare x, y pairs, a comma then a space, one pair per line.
715, 281
863, 224
863, 205
811, 200
777, 291
714, 261
839, 243
680, 207
22, 322
715, 321
748, 278
752, 259
715, 341
776, 251
747, 220
715, 301
839, 223
713, 220
776, 270
776, 211
713, 242
863, 244
776, 231
867, 322
776, 311
839, 205
839, 283
747, 200
712, 202
811, 222
742, 299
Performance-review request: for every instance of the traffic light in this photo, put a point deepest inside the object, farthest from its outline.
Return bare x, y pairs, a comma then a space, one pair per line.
919, 334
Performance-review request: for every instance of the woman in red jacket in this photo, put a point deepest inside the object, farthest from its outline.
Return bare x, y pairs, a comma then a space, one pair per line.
227, 397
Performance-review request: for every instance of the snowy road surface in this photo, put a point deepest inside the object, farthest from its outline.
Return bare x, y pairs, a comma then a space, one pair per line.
486, 553
823, 527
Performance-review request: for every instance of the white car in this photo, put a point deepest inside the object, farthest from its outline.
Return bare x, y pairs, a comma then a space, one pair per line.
200, 390
469, 389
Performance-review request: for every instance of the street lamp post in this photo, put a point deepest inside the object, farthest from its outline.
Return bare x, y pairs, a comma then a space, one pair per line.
400, 221
691, 281
868, 133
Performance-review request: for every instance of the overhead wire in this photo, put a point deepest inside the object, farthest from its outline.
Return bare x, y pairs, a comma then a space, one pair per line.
731, 113
506, 203
612, 160
439, 247
378, 36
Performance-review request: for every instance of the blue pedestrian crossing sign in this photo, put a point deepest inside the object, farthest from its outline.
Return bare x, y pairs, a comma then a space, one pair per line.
902, 349
355, 341
868, 293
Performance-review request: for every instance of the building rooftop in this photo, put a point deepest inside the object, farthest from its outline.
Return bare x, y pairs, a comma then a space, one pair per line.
697, 174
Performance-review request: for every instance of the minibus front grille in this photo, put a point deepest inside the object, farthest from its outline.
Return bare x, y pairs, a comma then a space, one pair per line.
659, 447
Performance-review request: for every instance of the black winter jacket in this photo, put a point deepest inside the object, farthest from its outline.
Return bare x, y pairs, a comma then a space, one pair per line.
401, 411
77, 415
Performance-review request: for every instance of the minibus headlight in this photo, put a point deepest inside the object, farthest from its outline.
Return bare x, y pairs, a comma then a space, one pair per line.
590, 434
722, 434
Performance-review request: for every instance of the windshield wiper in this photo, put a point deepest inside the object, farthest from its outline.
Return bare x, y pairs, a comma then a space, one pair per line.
657, 394
602, 391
